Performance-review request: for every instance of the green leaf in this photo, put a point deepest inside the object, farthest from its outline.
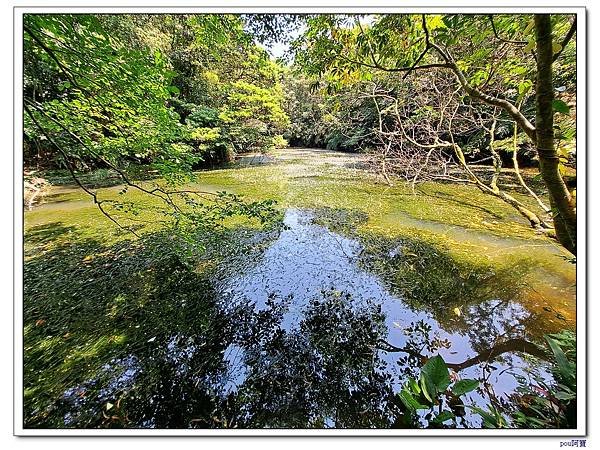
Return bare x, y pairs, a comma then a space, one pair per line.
563, 151
524, 87
490, 420
463, 386
530, 45
436, 375
529, 26
409, 401
560, 106
424, 389
565, 396
443, 416
64, 85
556, 47
436, 22
564, 366
414, 386
174, 89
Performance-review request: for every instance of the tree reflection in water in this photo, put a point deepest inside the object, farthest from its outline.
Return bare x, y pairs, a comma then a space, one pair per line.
291, 344
330, 371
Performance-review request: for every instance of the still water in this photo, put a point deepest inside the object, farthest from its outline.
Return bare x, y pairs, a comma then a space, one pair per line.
302, 326
304, 332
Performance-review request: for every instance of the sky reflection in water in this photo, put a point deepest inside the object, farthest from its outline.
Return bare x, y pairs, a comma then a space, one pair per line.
302, 337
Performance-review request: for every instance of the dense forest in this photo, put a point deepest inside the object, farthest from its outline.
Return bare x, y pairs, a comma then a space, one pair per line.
424, 164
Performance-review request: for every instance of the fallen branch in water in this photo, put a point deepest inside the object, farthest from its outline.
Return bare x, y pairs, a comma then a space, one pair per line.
511, 345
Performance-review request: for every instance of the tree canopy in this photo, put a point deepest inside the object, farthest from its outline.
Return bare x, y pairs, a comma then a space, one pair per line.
425, 92
494, 63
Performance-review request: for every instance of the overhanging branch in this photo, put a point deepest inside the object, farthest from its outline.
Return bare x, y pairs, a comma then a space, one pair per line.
508, 346
68, 164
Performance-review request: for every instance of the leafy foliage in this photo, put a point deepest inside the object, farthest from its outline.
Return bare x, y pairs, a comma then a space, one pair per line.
101, 92
122, 90
108, 103
431, 391
169, 94
545, 405
254, 117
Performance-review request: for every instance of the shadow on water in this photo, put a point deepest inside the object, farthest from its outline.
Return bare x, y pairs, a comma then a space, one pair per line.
46, 233
290, 330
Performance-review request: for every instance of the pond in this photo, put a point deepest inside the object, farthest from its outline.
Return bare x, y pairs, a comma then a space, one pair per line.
300, 326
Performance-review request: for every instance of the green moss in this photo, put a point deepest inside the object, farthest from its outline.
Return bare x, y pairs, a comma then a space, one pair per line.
297, 184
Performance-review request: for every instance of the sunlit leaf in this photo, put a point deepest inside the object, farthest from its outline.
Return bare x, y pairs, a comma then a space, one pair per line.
530, 45
556, 47
443, 416
464, 386
409, 401
435, 373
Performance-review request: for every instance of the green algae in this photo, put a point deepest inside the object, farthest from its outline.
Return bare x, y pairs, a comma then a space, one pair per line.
439, 270
473, 226
95, 293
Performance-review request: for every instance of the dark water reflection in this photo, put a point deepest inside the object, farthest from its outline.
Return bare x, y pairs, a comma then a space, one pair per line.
309, 262
293, 341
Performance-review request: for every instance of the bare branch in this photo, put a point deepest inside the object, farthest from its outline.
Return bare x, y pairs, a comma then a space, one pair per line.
507, 106
75, 178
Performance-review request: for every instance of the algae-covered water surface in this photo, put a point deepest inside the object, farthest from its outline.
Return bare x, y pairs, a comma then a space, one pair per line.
299, 325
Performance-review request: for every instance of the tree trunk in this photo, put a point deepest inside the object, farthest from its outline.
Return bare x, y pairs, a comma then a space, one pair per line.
561, 202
